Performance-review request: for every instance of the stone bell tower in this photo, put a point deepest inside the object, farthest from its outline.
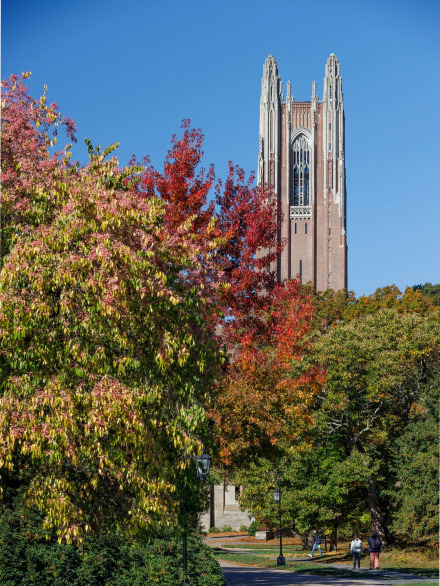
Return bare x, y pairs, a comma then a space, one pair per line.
302, 158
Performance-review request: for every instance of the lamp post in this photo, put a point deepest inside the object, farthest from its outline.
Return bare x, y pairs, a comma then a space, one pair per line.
281, 560
203, 464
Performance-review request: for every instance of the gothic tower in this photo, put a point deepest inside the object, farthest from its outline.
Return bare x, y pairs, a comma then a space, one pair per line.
302, 158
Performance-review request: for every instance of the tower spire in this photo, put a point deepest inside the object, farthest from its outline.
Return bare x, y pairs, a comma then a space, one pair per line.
332, 82
271, 81
270, 119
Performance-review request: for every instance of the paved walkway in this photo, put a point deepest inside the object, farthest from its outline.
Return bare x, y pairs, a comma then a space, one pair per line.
242, 576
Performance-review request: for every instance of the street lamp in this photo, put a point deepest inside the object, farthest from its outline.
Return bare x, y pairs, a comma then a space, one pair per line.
203, 464
281, 560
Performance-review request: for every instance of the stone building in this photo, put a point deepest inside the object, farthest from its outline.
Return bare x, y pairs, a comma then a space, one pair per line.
302, 158
225, 509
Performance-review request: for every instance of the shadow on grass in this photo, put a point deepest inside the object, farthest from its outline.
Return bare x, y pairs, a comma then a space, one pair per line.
426, 572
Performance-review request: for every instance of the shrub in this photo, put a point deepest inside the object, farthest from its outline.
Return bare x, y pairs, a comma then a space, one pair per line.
253, 528
227, 529
27, 558
214, 530
243, 527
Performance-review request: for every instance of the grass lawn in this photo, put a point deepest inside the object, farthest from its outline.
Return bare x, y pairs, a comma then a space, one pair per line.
410, 561
423, 561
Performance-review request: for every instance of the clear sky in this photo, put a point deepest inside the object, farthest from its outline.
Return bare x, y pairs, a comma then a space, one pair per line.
131, 71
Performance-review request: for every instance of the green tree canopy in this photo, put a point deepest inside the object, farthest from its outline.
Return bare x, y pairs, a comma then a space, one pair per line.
379, 367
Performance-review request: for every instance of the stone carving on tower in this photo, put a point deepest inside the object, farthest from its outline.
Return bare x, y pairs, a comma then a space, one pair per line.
302, 159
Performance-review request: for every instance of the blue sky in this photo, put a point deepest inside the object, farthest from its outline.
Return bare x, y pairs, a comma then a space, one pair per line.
131, 71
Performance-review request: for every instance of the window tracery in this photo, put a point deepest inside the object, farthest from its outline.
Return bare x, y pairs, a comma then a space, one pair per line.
301, 172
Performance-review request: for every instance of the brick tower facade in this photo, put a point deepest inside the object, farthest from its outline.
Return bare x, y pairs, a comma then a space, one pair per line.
302, 158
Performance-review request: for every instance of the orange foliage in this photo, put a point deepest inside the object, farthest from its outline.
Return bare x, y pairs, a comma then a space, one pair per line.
266, 397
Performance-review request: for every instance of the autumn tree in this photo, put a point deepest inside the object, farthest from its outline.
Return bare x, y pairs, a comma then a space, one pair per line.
236, 232
381, 363
106, 345
429, 290
335, 307
112, 283
264, 401
32, 174
249, 219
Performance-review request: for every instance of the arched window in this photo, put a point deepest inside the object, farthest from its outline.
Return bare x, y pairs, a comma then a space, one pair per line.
301, 172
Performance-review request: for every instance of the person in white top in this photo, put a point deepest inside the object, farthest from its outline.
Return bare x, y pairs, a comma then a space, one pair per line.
356, 550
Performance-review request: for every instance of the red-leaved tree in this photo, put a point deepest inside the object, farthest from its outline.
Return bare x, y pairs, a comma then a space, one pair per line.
236, 235
265, 400
32, 187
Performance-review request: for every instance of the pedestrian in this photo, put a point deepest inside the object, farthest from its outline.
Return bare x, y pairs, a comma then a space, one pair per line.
317, 544
356, 550
375, 547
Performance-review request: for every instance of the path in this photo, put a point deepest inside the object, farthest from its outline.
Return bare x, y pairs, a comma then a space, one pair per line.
243, 576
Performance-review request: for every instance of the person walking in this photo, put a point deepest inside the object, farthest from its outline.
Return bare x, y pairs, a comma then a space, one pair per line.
356, 550
375, 547
317, 544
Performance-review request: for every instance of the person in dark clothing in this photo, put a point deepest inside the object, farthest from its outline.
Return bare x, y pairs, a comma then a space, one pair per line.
316, 544
375, 547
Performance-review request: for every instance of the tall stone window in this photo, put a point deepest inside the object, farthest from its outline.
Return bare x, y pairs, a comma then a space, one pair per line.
301, 172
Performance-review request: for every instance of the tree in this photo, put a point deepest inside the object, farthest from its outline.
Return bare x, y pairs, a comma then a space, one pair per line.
429, 290
320, 490
237, 238
31, 174
379, 367
381, 361
106, 344
412, 301
264, 401
335, 307
29, 555
249, 219
415, 463
112, 283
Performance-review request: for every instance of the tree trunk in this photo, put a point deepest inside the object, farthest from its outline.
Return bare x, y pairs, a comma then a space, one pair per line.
334, 538
375, 512
373, 503
307, 540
